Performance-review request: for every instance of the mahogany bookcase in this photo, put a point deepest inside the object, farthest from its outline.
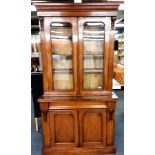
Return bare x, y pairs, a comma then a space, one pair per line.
78, 105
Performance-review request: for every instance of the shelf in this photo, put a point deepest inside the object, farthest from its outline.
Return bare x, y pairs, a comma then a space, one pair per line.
37, 73
93, 38
93, 70
97, 26
119, 26
35, 54
93, 55
59, 57
61, 37
34, 26
65, 70
61, 25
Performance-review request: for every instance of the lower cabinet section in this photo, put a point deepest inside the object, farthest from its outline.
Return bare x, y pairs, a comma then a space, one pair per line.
78, 131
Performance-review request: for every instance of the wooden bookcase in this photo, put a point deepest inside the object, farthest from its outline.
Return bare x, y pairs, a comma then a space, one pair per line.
78, 106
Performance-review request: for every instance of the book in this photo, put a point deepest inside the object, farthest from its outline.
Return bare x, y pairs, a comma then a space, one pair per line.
61, 46
62, 64
63, 81
93, 81
61, 31
93, 62
93, 46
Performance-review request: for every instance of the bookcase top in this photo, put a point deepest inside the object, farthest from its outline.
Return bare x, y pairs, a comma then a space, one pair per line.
81, 9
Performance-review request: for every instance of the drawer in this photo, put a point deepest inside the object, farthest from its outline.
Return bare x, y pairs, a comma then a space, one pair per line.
77, 105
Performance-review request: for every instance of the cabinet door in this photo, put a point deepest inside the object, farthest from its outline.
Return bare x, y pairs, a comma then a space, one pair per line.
63, 128
61, 49
94, 54
92, 127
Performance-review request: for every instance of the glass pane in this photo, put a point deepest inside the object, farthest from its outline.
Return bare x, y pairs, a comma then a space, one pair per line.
93, 37
62, 67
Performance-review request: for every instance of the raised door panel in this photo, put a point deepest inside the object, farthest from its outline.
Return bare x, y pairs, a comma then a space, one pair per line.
94, 48
63, 127
61, 50
92, 128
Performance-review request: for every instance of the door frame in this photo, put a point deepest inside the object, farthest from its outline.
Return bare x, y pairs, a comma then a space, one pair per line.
47, 51
107, 21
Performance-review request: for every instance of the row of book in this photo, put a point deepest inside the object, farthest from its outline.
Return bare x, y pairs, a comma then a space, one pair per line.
88, 64
61, 31
93, 81
93, 46
64, 81
62, 64
93, 63
64, 46
67, 30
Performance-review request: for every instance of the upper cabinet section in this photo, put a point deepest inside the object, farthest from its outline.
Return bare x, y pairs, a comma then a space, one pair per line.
77, 42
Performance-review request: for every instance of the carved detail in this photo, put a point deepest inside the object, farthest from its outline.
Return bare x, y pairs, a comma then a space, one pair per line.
44, 109
41, 20
111, 114
45, 115
111, 106
113, 22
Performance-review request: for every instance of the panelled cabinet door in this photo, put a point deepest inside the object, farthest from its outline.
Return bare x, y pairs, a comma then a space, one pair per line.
92, 127
94, 53
61, 50
63, 128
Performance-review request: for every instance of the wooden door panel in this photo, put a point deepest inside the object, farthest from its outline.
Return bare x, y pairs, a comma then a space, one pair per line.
92, 124
98, 73
92, 127
63, 127
60, 81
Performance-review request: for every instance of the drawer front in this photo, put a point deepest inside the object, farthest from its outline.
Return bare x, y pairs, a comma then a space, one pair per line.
77, 105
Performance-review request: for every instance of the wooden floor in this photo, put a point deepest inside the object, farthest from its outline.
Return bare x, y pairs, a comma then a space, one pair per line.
36, 137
